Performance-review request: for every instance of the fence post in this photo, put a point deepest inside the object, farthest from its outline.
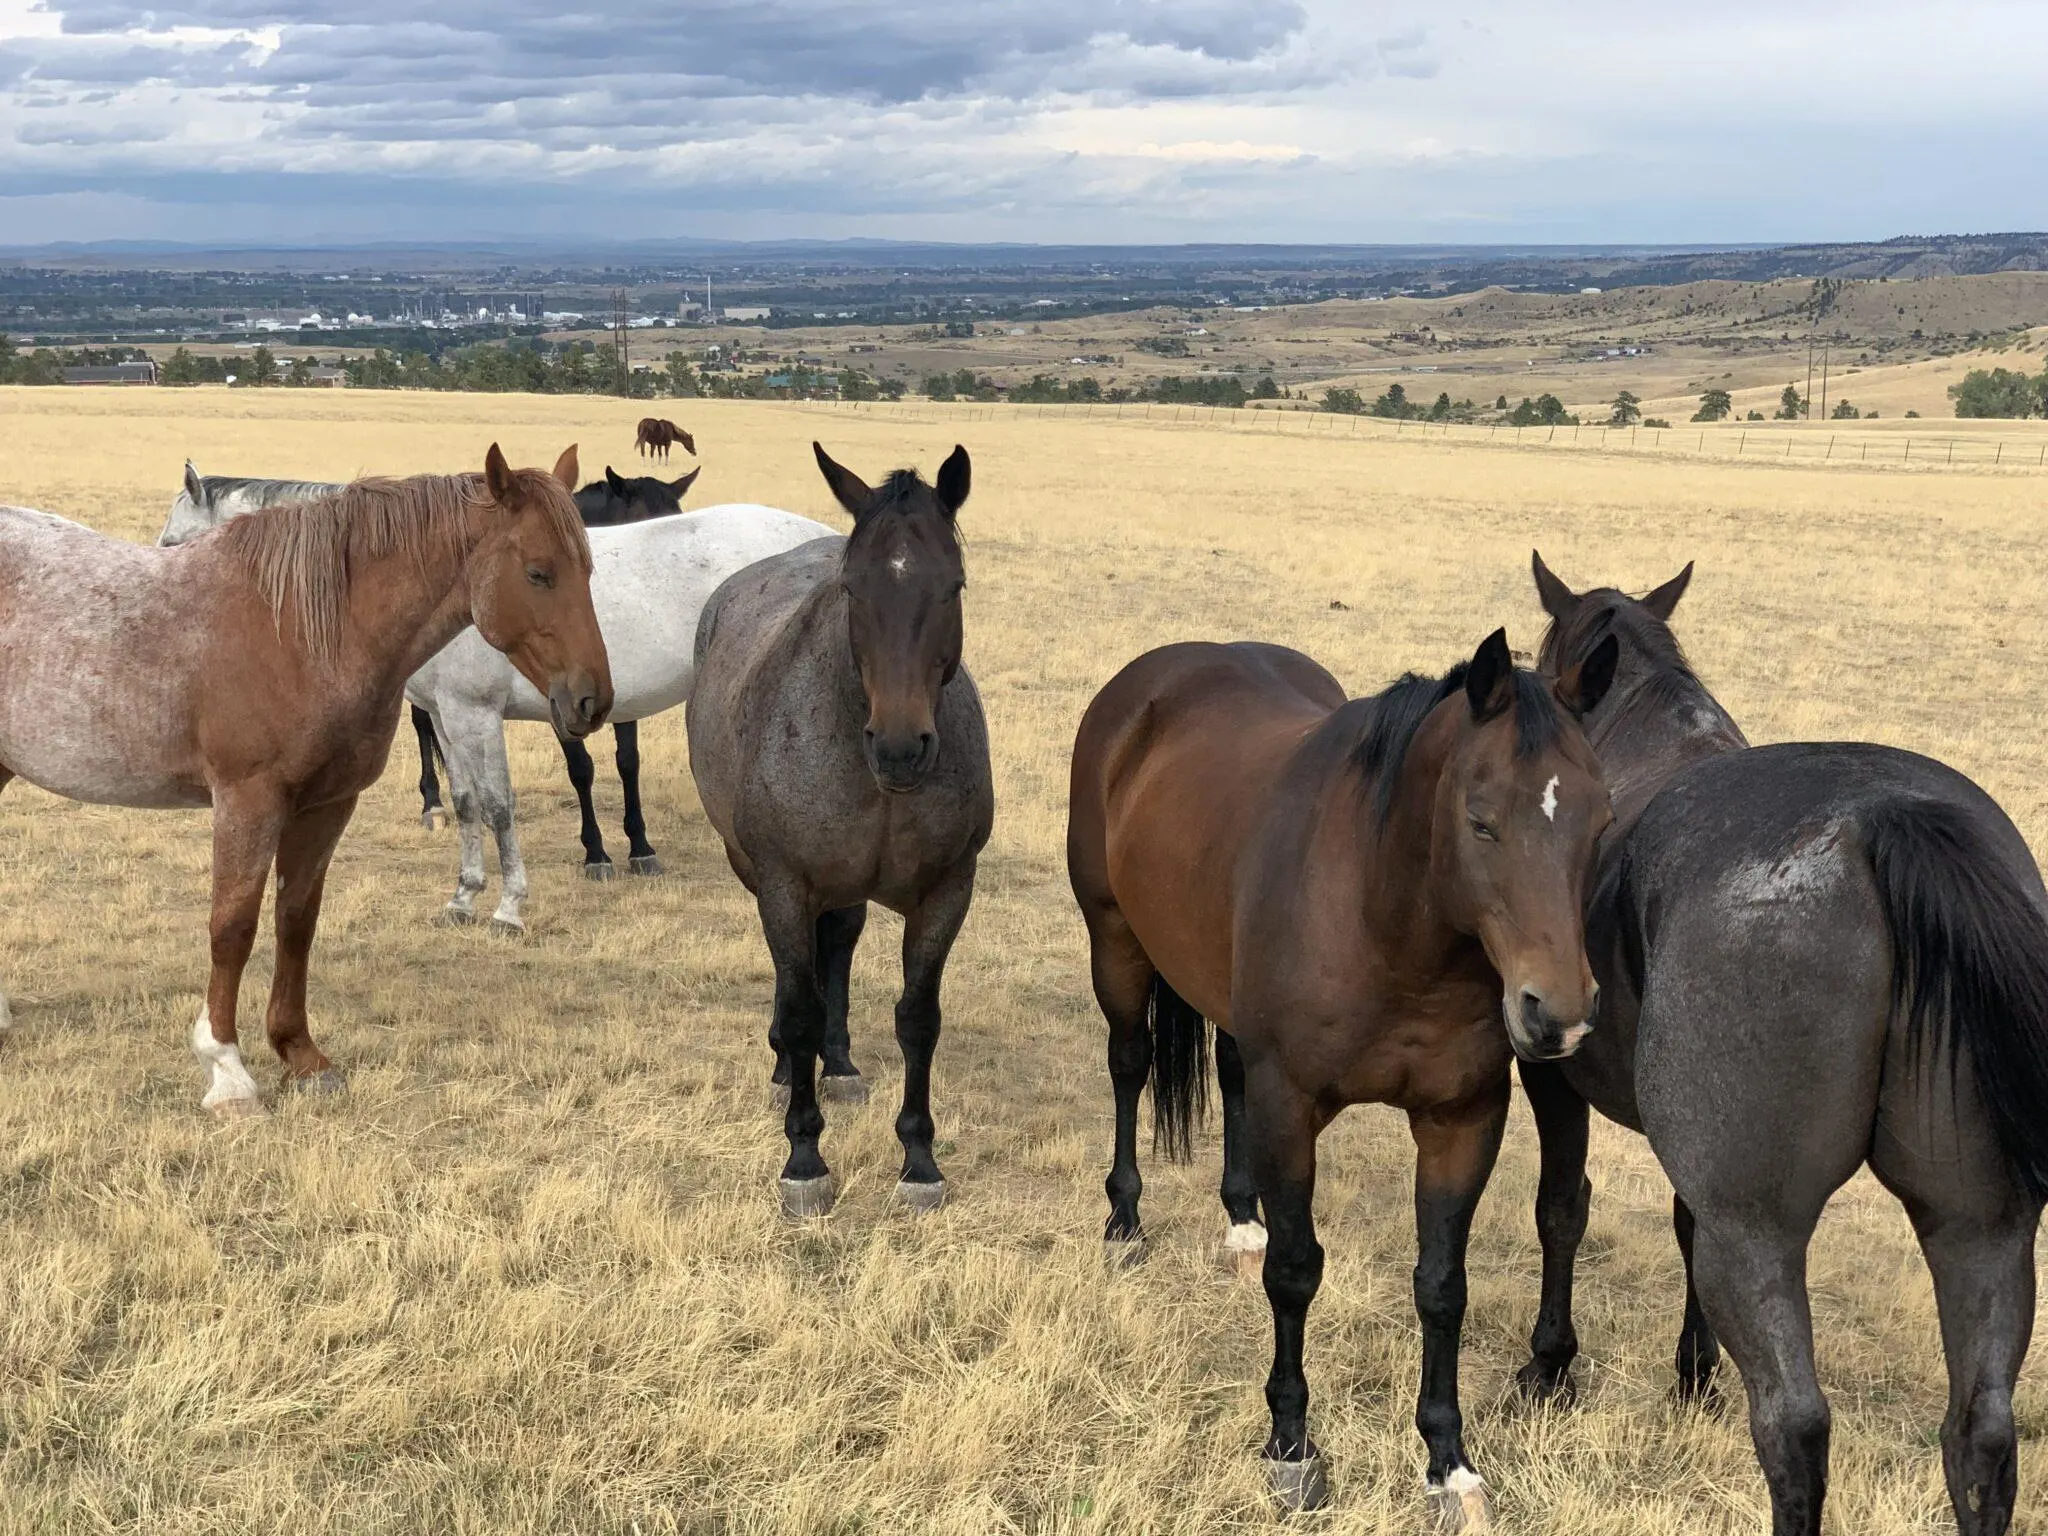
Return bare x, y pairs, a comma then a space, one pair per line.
1909, 452
1831, 449
1999, 456
1702, 445
1951, 450
1743, 442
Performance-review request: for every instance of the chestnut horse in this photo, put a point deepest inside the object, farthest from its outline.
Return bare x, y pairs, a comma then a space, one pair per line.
657, 435
1376, 902
258, 670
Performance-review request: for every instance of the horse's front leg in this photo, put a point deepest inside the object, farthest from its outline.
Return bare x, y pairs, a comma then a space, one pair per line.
1562, 1197
1454, 1153
640, 855
304, 852
928, 935
431, 814
1281, 1126
790, 924
247, 822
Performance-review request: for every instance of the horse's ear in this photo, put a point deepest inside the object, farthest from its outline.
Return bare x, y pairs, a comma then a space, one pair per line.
1582, 687
565, 468
1665, 598
955, 475
682, 487
612, 479
1490, 677
498, 475
1558, 599
194, 487
851, 491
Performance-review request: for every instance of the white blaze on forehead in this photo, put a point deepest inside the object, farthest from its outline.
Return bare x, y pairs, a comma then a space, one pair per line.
1550, 799
900, 563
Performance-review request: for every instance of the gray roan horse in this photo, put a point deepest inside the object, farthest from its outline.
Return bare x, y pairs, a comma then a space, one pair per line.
840, 751
1812, 956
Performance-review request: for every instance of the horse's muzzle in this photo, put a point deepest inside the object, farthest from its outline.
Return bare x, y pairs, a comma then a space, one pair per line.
1537, 1034
901, 763
578, 706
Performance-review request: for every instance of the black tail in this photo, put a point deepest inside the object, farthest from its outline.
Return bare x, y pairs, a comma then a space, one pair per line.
1180, 1072
1969, 964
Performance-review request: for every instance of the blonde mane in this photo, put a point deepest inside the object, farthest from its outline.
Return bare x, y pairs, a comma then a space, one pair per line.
306, 554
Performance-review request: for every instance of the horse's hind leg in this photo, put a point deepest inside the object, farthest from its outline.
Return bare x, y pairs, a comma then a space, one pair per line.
1244, 1244
1977, 1232
928, 934
431, 813
640, 855
838, 933
1699, 1352
303, 854
1123, 975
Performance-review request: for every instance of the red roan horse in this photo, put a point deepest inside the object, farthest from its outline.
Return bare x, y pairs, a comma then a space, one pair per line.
258, 669
1375, 901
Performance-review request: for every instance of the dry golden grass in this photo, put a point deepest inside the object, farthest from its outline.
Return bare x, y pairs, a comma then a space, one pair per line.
529, 1275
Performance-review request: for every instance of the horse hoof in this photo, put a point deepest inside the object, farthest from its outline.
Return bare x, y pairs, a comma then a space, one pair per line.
238, 1109
458, 917
434, 820
1124, 1252
1461, 1503
847, 1088
1244, 1250
1299, 1486
599, 871
508, 928
643, 864
921, 1197
321, 1084
1542, 1387
807, 1197
778, 1098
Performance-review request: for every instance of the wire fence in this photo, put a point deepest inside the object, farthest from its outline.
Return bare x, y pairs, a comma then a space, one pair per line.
1912, 445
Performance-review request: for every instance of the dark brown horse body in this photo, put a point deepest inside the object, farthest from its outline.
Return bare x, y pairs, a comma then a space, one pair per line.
1341, 888
657, 435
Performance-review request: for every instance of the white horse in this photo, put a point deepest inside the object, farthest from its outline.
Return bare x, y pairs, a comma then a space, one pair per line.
648, 582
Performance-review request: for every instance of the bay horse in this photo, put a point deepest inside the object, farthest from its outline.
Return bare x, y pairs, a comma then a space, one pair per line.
840, 751
656, 435
1375, 901
1813, 957
648, 582
258, 671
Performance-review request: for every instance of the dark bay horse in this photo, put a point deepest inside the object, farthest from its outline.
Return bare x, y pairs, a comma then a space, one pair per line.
840, 751
1812, 957
1375, 901
258, 670
608, 503
657, 435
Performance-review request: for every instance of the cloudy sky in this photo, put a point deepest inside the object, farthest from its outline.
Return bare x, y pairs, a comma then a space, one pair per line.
1049, 120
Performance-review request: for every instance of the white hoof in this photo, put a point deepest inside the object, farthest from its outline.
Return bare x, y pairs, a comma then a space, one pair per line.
1244, 1250
435, 820
508, 927
6, 1015
921, 1198
807, 1197
1299, 1486
231, 1093
1461, 1503
847, 1088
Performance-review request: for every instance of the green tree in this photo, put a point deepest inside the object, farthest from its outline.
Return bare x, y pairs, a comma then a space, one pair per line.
1715, 405
1791, 404
1844, 411
681, 377
262, 368
856, 385
1998, 392
1501, 404
939, 387
1345, 402
1628, 410
1265, 389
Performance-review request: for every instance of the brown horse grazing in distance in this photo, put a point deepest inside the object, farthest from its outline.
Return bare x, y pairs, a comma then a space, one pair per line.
840, 751
259, 668
657, 435
1375, 901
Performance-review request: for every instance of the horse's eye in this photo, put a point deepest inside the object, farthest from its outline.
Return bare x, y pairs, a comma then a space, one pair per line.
1482, 831
540, 578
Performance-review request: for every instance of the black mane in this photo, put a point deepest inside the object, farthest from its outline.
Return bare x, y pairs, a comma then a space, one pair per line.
1379, 729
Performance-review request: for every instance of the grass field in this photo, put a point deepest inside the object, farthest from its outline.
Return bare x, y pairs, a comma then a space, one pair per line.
529, 1276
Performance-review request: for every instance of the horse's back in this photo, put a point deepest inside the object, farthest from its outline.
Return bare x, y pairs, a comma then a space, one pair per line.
1759, 939
1174, 767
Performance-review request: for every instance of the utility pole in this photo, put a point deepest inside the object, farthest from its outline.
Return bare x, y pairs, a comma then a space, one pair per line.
1826, 347
1807, 408
622, 361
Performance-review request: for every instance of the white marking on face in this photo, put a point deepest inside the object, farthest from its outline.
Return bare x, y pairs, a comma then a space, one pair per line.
900, 563
1550, 799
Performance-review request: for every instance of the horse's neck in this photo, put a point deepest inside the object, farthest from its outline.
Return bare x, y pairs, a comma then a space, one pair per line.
1407, 908
404, 606
1654, 724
